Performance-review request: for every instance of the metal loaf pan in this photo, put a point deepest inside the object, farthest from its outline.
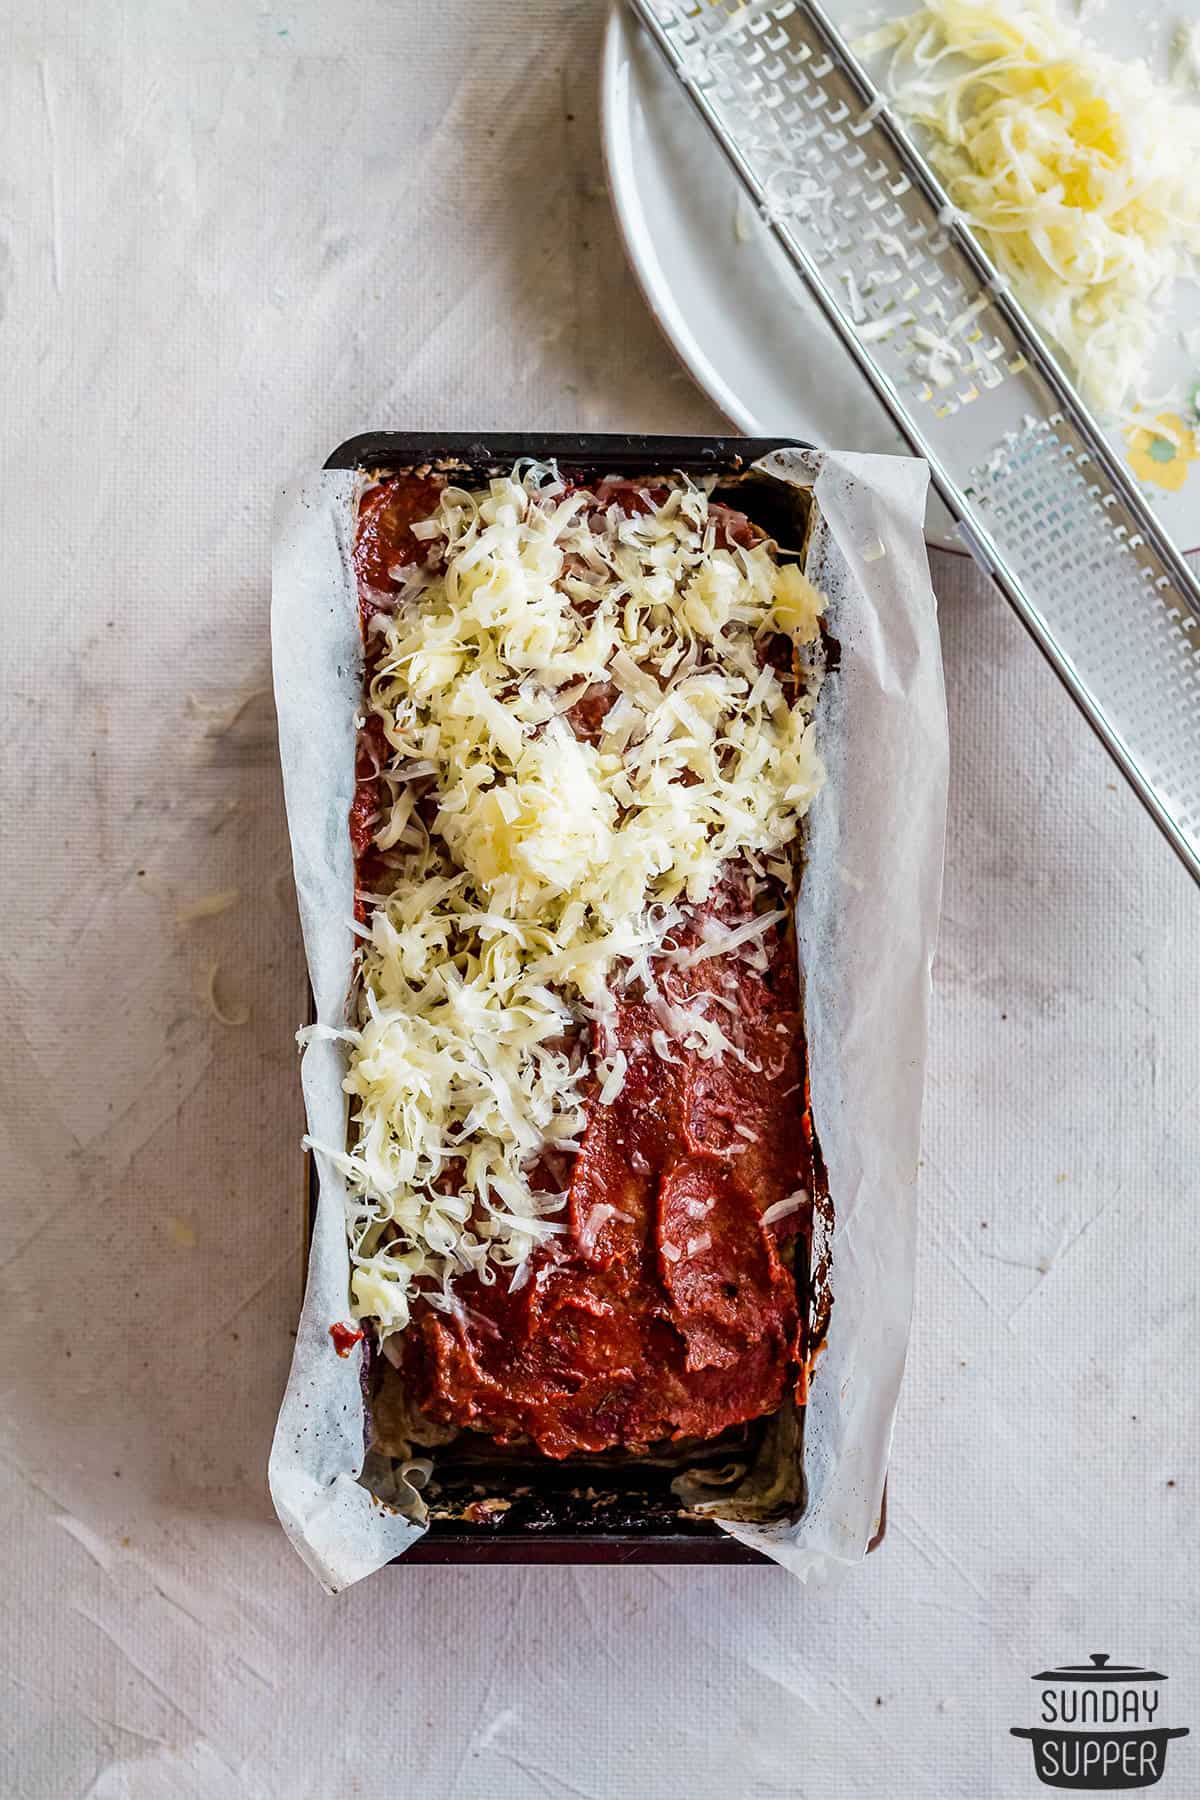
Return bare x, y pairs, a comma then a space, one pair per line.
600, 1511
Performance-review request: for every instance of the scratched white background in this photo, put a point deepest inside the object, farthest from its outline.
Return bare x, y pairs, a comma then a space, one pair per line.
230, 237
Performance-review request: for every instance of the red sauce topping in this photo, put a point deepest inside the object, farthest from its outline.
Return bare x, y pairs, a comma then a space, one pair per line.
345, 1337
665, 1311
384, 539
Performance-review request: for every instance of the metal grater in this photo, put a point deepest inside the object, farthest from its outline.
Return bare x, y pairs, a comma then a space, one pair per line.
1039, 496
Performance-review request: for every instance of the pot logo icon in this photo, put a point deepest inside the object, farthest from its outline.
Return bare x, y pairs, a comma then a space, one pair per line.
1099, 1727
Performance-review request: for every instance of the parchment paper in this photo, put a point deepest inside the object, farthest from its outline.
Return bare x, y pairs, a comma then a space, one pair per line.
867, 924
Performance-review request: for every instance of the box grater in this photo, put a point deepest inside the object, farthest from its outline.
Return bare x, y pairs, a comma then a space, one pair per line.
1040, 498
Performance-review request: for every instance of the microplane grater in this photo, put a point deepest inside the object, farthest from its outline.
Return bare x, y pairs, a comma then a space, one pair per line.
1040, 498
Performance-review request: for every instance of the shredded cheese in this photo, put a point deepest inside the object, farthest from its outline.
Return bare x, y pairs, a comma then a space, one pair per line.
613, 1078
221, 717
783, 1209
1077, 170
236, 1015
533, 872
208, 906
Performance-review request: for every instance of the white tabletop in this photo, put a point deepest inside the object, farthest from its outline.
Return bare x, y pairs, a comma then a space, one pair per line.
230, 237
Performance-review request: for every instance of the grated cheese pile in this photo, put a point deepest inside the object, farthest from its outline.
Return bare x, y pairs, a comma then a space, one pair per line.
533, 872
1077, 170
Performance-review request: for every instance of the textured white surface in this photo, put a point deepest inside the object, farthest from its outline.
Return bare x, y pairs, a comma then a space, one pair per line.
227, 240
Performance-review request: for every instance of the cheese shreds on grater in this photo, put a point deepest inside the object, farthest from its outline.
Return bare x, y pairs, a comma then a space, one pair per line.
1041, 497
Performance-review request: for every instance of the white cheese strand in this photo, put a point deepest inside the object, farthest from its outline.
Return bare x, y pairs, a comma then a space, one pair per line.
1078, 171
783, 1209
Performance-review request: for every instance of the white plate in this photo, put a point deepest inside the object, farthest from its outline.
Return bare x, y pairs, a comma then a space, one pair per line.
730, 302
